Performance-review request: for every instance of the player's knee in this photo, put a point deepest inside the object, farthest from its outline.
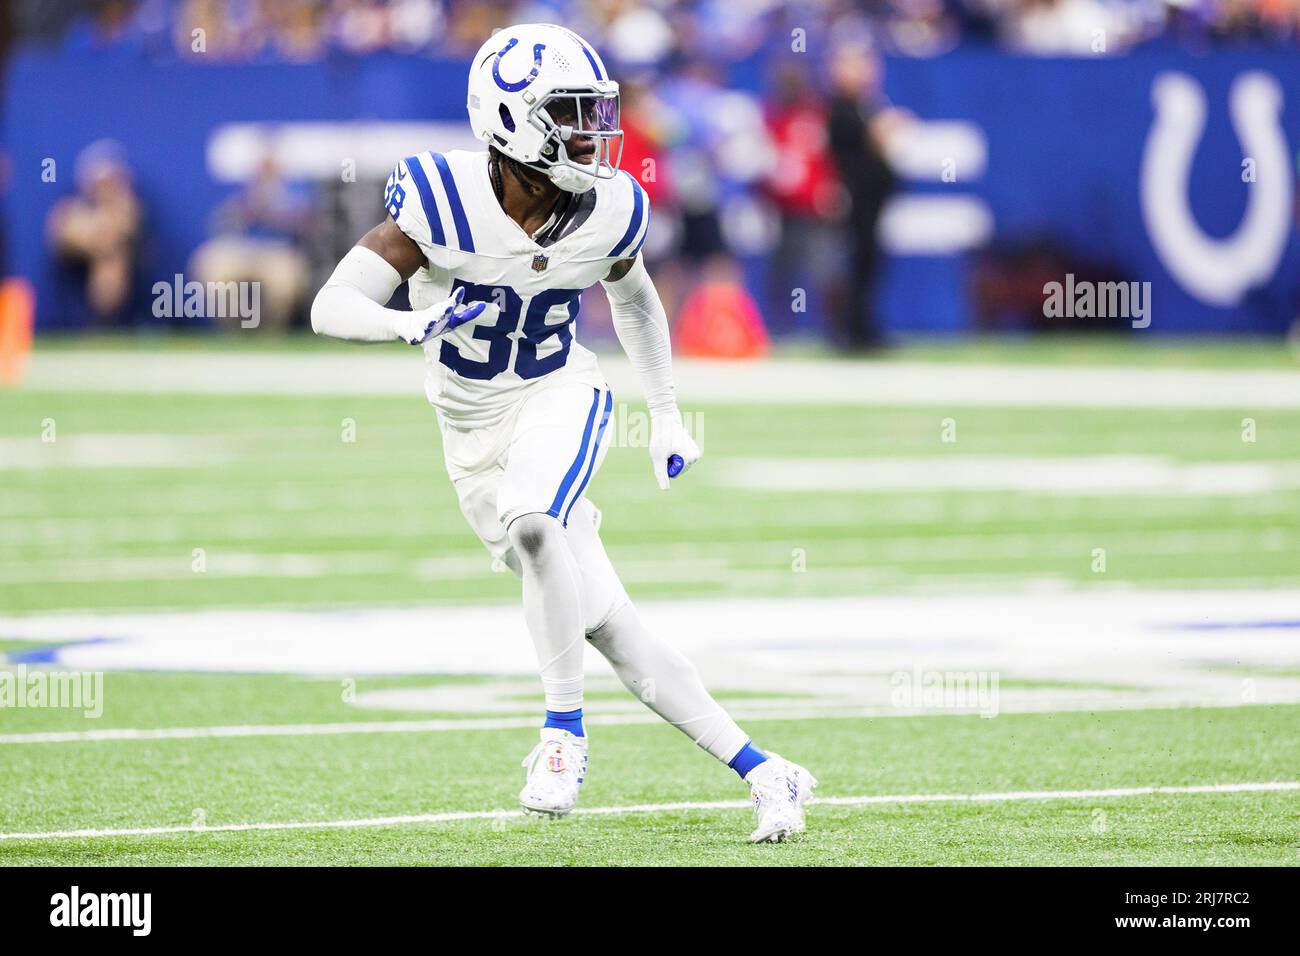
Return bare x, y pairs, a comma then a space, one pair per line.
679, 669
533, 534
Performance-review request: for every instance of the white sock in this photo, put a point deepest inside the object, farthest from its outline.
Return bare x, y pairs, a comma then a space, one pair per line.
666, 682
552, 607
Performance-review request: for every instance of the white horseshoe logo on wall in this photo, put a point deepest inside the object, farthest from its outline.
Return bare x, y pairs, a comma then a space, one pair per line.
1216, 271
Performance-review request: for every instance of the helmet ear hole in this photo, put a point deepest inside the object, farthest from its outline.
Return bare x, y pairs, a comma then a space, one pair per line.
507, 120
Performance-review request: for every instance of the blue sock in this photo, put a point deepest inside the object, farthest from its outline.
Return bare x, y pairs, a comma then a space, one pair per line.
748, 758
570, 720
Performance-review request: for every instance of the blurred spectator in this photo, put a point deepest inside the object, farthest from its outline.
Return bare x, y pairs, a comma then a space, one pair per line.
920, 27
98, 230
639, 35
415, 25
361, 27
295, 30
695, 98
109, 25
869, 181
259, 234
718, 152
471, 22
208, 29
1070, 27
803, 186
647, 132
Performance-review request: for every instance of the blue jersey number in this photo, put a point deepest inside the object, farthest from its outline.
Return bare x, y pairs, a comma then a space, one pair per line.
535, 332
394, 199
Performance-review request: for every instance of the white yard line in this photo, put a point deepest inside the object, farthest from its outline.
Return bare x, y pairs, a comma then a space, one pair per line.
1066, 475
1146, 640
856, 801
374, 727
1154, 700
672, 563
781, 380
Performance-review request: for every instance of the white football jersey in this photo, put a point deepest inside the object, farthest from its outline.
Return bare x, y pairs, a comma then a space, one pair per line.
446, 205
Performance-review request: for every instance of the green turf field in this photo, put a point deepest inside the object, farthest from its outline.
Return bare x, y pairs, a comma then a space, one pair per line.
125, 784
199, 504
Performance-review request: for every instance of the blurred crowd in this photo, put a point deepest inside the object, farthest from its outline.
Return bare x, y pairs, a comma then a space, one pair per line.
653, 34
650, 33
99, 234
792, 185
794, 179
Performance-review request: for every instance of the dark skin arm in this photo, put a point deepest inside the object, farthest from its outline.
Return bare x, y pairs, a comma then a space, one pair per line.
394, 247
621, 268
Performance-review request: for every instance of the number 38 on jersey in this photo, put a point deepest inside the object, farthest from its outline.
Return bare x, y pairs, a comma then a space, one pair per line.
446, 205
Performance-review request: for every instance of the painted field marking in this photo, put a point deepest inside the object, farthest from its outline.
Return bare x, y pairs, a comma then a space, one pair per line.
374, 727
857, 801
781, 380
109, 735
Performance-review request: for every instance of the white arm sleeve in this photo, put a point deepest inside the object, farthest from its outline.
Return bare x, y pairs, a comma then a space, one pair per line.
642, 328
351, 304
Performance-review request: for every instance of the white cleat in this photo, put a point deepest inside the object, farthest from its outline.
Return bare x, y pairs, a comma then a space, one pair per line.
779, 789
555, 768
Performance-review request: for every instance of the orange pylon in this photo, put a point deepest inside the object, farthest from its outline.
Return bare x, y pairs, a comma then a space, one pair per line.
17, 318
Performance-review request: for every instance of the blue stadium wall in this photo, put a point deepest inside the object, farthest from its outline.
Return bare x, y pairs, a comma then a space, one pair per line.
1065, 141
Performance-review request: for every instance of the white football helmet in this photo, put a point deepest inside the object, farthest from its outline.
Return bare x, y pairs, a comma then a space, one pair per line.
540, 94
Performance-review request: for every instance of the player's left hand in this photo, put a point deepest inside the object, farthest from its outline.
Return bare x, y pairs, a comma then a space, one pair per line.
440, 318
668, 437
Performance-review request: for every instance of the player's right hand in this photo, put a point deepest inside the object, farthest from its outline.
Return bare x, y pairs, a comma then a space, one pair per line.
440, 318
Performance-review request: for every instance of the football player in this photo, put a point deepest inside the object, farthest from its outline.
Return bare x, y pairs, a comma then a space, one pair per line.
497, 248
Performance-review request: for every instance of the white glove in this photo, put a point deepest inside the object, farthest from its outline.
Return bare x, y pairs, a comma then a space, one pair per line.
668, 437
438, 319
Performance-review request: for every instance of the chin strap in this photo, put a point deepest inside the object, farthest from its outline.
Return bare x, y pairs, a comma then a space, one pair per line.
564, 177
570, 179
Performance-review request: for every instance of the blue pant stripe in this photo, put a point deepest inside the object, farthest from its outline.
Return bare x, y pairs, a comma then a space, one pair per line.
595, 453
567, 483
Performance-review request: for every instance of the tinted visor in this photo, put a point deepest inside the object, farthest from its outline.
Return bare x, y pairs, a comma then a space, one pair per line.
584, 113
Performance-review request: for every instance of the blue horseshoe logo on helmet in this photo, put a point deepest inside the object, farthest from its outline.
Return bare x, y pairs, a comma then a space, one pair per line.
517, 85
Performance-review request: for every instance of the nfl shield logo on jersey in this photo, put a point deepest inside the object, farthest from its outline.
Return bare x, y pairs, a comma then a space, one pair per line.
539, 262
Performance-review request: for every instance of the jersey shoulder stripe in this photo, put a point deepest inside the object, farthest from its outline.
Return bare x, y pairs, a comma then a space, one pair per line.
461, 221
634, 235
430, 207
644, 232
